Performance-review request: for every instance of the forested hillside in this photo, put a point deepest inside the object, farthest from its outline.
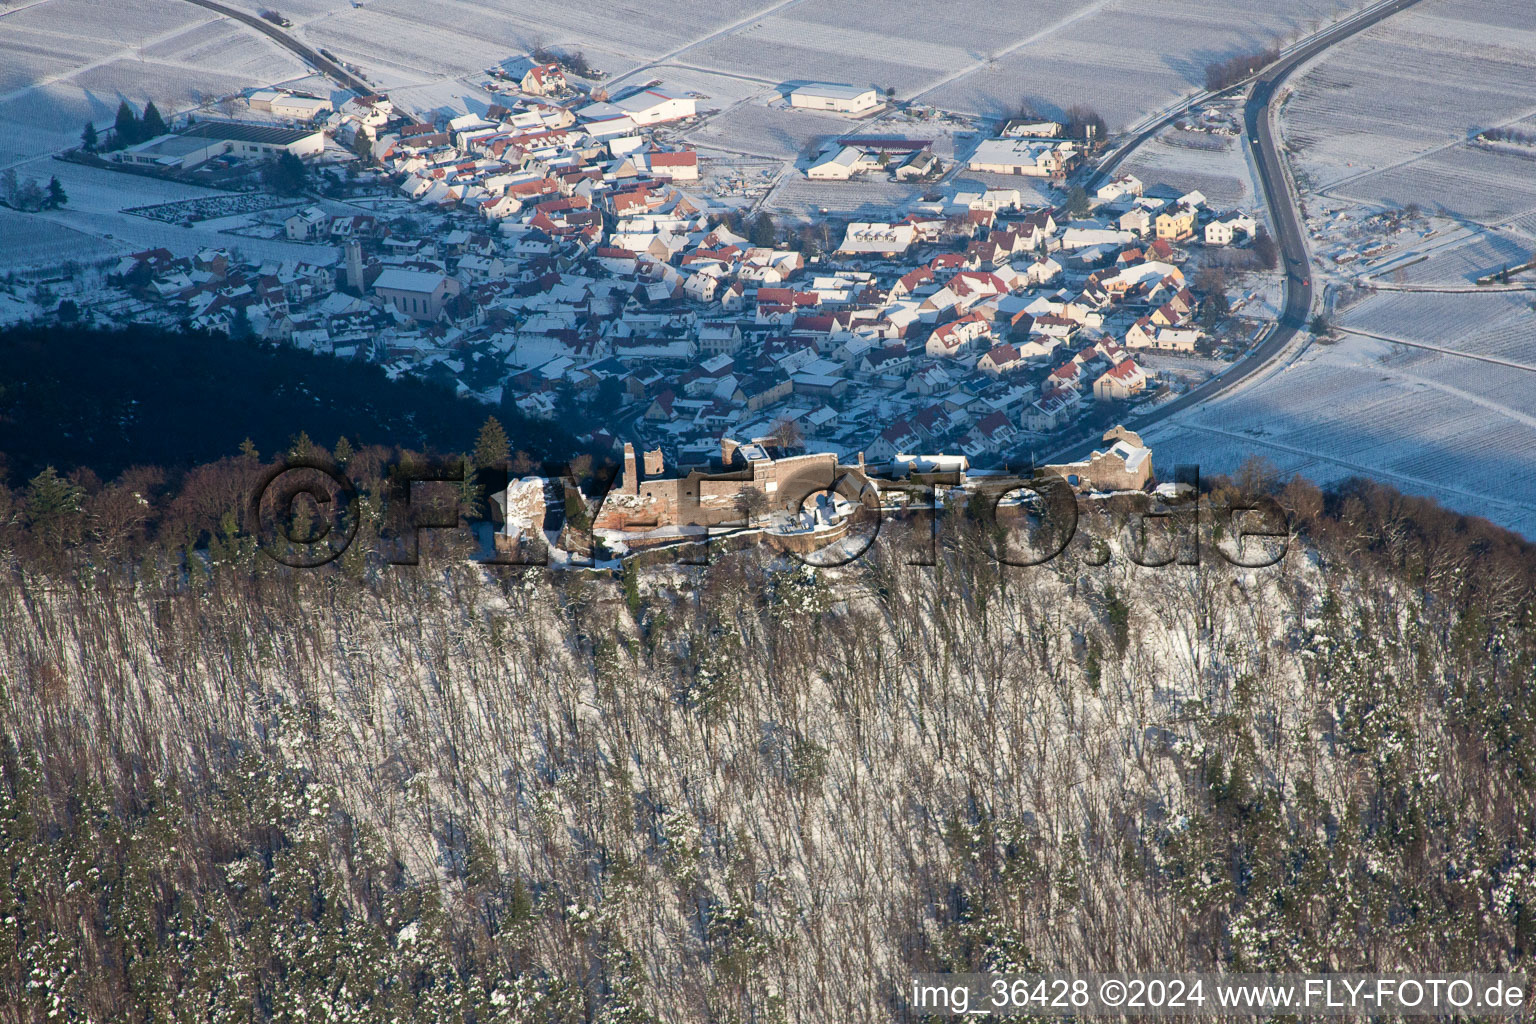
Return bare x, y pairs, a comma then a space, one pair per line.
749, 791
145, 396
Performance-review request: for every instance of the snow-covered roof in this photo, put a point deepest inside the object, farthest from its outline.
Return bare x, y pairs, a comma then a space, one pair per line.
401, 279
831, 91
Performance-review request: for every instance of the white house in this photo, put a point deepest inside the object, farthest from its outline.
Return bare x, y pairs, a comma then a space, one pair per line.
956, 338
1120, 185
1137, 219
842, 99
306, 224
1222, 231
1082, 238
720, 338
842, 165
1122, 380
878, 238
534, 77
1052, 410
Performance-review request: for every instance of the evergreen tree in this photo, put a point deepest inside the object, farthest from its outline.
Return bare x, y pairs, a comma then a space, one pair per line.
764, 230
301, 446
56, 196
248, 449
88, 139
126, 128
53, 508
520, 903
152, 124
492, 448
287, 174
1077, 202
344, 451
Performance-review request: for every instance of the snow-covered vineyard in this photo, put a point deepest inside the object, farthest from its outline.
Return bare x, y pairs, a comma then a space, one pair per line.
1429, 385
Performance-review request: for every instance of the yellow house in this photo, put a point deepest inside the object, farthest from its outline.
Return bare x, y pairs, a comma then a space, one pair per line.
1177, 224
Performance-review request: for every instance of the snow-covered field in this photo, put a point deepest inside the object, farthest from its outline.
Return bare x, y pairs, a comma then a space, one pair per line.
1481, 185
1460, 265
98, 200
1432, 390
1455, 420
63, 62
1127, 57
1223, 174
1386, 115
30, 241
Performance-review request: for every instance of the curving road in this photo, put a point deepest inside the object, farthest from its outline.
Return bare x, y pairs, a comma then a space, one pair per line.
332, 70
1258, 130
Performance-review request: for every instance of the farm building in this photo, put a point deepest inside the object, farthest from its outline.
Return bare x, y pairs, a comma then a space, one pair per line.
1026, 128
645, 107
919, 165
300, 108
841, 165
678, 166
841, 99
206, 140
287, 104
1033, 157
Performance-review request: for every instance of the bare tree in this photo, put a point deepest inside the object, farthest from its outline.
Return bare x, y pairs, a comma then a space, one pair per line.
753, 504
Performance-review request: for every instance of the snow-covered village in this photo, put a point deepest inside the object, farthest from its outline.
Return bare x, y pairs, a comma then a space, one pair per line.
557, 247
660, 252
768, 511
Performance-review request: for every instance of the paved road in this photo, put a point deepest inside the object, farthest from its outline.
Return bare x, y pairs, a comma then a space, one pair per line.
332, 70
1257, 132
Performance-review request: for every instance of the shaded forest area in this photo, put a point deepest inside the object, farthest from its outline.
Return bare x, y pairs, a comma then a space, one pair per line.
746, 792
143, 396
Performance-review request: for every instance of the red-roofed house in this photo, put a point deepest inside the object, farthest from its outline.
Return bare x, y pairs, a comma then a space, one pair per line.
1120, 381
680, 166
993, 432
1002, 359
955, 338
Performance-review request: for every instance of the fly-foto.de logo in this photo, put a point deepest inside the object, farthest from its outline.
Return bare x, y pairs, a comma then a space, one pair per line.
308, 512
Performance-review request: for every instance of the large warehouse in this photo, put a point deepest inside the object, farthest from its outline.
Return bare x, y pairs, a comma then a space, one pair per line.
205, 140
842, 99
